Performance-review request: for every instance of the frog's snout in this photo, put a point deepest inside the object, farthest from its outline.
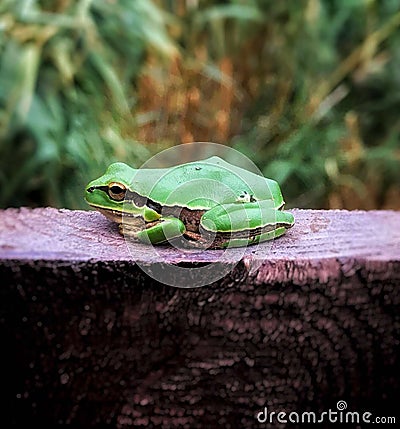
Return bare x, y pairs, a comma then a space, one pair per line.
90, 189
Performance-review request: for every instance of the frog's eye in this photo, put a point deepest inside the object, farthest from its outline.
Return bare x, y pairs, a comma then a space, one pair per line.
116, 191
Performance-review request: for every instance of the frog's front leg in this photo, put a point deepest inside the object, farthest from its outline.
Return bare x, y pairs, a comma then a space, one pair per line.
242, 224
162, 230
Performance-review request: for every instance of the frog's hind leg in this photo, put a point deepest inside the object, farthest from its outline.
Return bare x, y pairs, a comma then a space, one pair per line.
242, 224
242, 242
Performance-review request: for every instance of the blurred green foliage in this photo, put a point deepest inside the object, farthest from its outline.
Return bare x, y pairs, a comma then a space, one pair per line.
308, 89
66, 68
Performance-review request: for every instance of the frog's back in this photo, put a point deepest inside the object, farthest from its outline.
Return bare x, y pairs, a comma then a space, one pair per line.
202, 184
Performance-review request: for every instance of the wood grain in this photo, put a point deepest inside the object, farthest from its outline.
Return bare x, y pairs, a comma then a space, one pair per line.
294, 326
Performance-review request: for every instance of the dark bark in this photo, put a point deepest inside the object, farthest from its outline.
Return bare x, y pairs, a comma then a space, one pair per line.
298, 326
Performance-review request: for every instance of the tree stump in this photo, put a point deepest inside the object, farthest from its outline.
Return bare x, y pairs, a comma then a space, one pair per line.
295, 325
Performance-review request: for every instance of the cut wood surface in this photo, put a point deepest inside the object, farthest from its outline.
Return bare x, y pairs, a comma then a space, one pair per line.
295, 325
51, 234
